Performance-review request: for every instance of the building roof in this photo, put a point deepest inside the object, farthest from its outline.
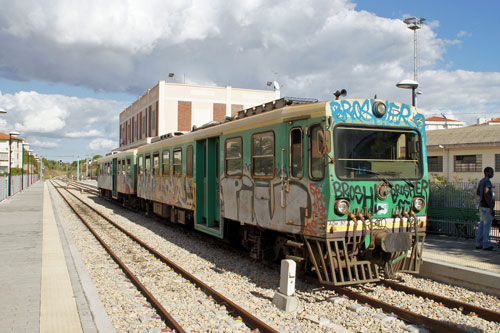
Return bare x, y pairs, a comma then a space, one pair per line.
496, 120
472, 136
4, 136
435, 118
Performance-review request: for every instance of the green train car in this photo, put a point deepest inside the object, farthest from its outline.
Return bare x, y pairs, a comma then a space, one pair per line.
340, 187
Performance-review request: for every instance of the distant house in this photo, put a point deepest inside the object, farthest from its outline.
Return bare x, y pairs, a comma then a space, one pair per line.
463, 153
16, 152
486, 121
435, 123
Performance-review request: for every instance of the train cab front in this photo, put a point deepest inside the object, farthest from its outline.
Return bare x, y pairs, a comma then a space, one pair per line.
378, 202
381, 191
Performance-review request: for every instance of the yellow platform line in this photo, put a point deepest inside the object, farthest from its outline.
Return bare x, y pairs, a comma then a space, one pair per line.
58, 311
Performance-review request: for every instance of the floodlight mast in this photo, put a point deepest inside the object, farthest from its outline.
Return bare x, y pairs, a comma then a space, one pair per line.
414, 24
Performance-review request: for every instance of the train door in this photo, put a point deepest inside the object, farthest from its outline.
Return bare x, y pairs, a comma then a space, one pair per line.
207, 187
114, 173
295, 195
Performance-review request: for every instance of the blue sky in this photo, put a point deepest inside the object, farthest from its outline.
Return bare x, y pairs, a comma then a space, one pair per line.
68, 69
478, 19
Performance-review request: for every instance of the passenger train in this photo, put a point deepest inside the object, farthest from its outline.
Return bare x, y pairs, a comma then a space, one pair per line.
341, 187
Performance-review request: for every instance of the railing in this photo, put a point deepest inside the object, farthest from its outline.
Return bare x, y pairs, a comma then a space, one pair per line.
453, 209
17, 184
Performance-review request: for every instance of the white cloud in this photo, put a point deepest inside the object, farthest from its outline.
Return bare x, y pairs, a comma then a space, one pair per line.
463, 33
102, 144
312, 47
35, 143
84, 134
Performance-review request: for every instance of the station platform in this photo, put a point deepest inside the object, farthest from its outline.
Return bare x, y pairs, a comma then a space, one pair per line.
44, 284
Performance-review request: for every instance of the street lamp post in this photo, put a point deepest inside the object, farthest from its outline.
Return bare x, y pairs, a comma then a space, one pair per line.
410, 84
10, 161
22, 166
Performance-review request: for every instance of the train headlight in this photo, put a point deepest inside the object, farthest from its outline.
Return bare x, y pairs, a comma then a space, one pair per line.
379, 109
418, 204
341, 207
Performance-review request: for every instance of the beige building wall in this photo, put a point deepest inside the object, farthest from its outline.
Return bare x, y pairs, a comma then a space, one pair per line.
448, 155
180, 106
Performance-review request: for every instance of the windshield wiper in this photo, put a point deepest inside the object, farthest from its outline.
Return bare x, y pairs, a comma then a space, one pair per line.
373, 173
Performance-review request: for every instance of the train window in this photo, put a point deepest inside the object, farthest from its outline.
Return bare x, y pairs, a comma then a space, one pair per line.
189, 161
316, 157
147, 164
140, 165
263, 155
166, 163
129, 167
296, 153
377, 153
156, 164
177, 162
109, 169
234, 157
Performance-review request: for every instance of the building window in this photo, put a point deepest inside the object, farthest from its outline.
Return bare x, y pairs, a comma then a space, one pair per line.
189, 161
296, 155
166, 163
177, 162
435, 163
263, 155
468, 163
234, 157
497, 162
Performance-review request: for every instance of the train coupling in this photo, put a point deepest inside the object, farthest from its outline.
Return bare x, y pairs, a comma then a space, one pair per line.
392, 242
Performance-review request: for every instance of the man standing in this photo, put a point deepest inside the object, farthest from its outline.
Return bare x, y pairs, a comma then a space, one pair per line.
486, 205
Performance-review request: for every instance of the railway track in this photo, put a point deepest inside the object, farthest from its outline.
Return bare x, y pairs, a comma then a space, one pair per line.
464, 307
415, 318
103, 225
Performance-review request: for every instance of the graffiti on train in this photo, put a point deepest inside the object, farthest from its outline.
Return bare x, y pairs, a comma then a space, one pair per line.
178, 191
318, 215
273, 204
361, 110
366, 195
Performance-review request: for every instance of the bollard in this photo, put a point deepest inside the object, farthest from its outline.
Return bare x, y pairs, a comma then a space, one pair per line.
285, 298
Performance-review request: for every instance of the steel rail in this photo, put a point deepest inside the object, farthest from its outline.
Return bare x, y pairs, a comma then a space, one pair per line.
466, 308
249, 319
406, 315
164, 314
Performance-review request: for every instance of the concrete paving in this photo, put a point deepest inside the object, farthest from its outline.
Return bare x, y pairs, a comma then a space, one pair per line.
36, 256
456, 261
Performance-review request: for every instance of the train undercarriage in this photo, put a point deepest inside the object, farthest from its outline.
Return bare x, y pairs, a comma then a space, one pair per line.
333, 261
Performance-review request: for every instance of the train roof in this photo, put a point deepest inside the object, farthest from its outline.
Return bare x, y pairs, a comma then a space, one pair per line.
282, 110
122, 154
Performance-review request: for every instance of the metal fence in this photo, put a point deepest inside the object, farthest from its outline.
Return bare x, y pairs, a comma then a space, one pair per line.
17, 184
453, 209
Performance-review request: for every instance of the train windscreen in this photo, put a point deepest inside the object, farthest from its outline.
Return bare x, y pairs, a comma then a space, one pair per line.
377, 153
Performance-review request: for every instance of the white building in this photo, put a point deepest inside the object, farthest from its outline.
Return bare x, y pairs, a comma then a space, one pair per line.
435, 123
172, 107
16, 152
